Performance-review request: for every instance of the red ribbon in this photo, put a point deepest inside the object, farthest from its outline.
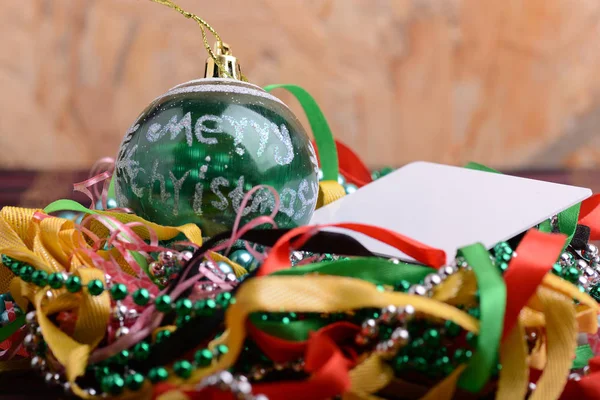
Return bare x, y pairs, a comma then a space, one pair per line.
536, 254
279, 257
281, 350
588, 387
350, 165
589, 215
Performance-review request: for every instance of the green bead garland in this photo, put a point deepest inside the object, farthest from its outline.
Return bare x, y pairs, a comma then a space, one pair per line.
26, 272
40, 278
113, 384
56, 280
122, 358
571, 274
163, 303
134, 381
221, 349
595, 292
162, 335
141, 297
184, 307
118, 291
183, 369
203, 358
158, 374
141, 351
73, 284
95, 287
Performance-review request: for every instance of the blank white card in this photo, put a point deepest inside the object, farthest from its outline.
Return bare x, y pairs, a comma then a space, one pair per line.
450, 207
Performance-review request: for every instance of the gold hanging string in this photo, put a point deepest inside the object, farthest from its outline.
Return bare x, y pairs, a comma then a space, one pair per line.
203, 24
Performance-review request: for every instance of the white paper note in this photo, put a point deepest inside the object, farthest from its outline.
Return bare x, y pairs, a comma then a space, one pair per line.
450, 207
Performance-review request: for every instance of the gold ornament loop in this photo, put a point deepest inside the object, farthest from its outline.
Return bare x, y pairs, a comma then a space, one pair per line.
203, 24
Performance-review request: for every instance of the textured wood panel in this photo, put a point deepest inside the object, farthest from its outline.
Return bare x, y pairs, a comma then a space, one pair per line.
509, 83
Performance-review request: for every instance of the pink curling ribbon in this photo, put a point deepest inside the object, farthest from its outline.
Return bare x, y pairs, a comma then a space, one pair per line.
101, 171
236, 234
84, 186
150, 319
124, 239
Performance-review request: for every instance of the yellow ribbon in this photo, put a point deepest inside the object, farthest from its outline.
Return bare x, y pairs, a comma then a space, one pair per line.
317, 294
370, 376
329, 191
445, 389
191, 231
561, 331
514, 375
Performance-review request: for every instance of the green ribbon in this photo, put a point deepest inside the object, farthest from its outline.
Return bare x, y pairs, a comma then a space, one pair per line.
320, 128
481, 167
67, 205
583, 354
492, 304
296, 331
567, 219
375, 270
111, 188
546, 227
567, 222
8, 330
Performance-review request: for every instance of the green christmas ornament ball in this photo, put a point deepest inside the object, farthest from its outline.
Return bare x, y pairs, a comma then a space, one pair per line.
195, 151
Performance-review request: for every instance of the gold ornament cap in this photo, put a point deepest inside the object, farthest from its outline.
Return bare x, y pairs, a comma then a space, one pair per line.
225, 65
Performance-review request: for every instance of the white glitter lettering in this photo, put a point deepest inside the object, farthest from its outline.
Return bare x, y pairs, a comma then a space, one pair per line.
127, 138
174, 127
177, 184
263, 199
154, 132
202, 172
138, 191
197, 205
214, 186
313, 157
161, 180
309, 203
237, 195
263, 136
127, 165
285, 194
284, 135
121, 199
200, 127
238, 128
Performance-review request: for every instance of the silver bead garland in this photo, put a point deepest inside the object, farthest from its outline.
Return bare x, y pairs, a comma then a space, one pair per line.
258, 372
236, 384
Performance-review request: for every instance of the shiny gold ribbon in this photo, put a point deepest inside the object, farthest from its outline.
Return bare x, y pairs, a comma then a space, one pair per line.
319, 294
329, 191
52, 245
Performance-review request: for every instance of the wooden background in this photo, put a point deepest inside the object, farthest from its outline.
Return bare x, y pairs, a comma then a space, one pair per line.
511, 83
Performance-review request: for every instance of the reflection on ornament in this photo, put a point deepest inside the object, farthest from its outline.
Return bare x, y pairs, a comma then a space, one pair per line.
244, 259
197, 150
110, 204
350, 188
